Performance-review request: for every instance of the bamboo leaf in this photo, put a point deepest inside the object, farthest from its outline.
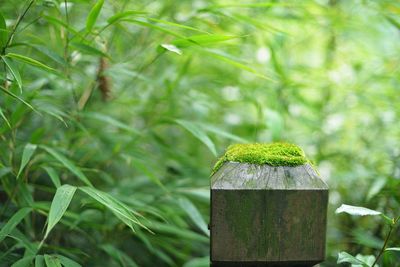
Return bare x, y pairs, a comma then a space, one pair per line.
153, 26
8, 92
203, 40
199, 134
13, 222
59, 205
5, 118
117, 17
52, 261
24, 262
30, 61
53, 176
68, 164
39, 261
124, 213
67, 262
93, 14
3, 32
88, 49
354, 210
111, 121
194, 214
172, 48
14, 71
221, 56
29, 149
176, 25
345, 257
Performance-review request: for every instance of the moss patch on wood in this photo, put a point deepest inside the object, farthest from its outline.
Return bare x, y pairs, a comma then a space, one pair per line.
274, 154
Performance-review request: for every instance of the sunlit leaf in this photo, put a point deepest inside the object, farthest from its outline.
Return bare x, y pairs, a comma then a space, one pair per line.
13, 222
172, 48
29, 149
93, 14
59, 205
354, 210
393, 249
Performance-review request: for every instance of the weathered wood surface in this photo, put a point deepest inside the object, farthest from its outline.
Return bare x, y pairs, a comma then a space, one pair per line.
267, 216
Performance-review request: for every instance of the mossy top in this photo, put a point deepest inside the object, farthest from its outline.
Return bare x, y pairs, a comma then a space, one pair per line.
274, 154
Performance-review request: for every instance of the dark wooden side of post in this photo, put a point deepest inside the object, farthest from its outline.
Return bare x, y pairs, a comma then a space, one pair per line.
267, 216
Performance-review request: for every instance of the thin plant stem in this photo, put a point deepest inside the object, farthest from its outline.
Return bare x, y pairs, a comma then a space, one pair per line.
384, 246
20, 18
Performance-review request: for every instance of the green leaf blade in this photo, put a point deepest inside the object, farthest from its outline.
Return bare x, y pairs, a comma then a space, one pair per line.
13, 222
59, 205
194, 215
68, 164
52, 261
199, 134
14, 71
29, 149
93, 14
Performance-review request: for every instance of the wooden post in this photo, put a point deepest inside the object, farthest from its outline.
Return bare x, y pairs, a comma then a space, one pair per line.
265, 214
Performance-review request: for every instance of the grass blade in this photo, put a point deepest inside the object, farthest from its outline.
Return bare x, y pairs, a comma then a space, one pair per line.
14, 71
59, 205
29, 149
13, 222
68, 164
93, 14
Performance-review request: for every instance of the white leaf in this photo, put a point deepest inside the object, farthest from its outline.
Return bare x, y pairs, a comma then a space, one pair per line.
354, 210
172, 48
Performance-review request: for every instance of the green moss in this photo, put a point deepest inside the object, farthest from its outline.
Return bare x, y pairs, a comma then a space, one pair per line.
274, 154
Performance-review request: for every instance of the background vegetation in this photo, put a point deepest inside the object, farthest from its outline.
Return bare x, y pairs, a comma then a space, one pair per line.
118, 111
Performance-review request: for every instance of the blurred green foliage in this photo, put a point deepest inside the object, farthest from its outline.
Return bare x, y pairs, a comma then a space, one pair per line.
121, 107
